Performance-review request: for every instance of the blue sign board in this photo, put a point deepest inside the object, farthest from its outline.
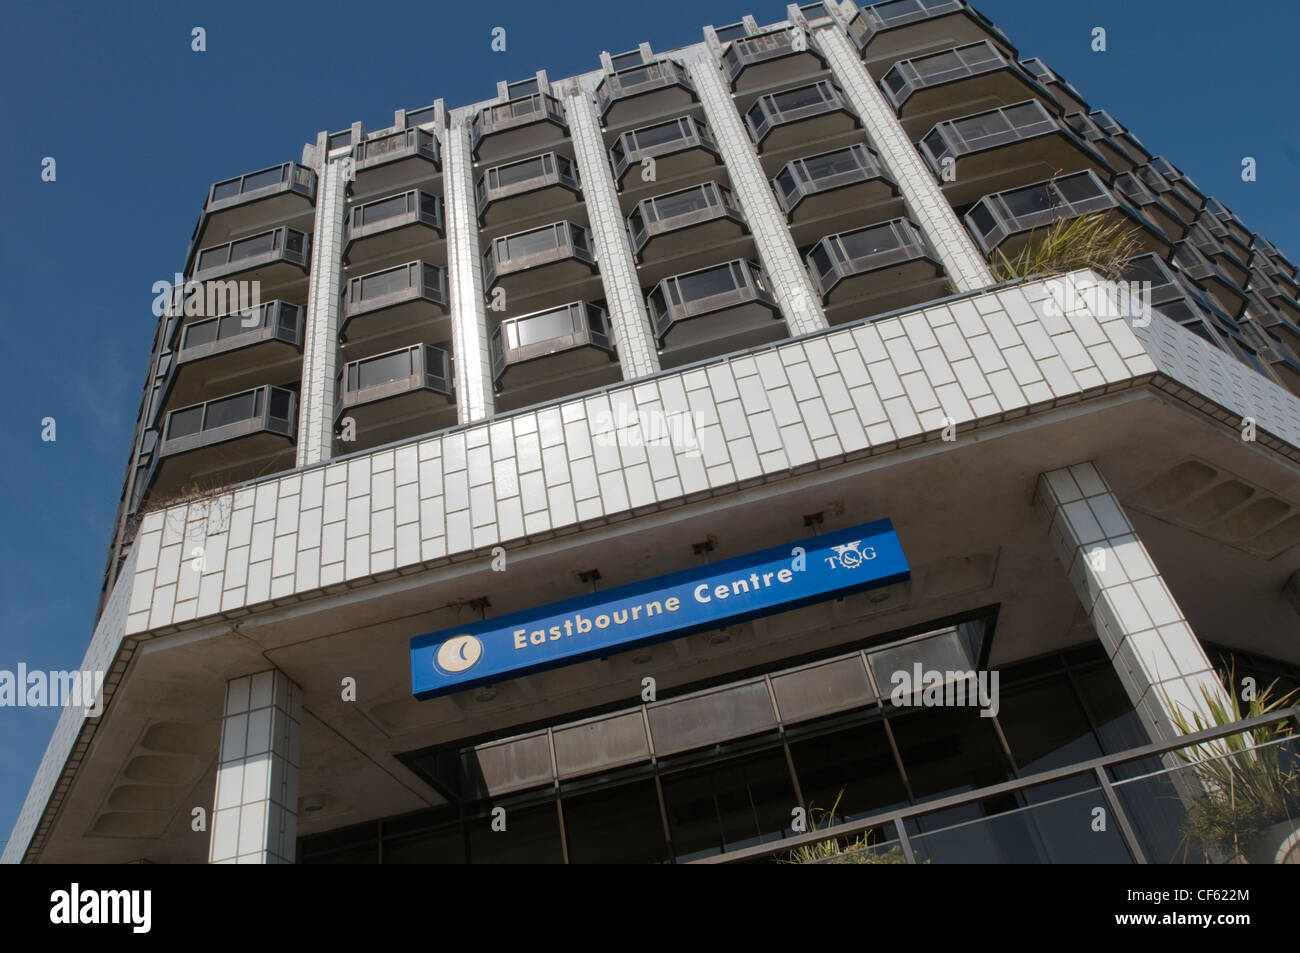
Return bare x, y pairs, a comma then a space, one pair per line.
667, 607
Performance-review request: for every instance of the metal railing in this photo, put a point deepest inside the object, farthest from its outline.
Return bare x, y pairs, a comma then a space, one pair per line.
808, 175
286, 177
401, 144
1118, 795
746, 51
674, 210
639, 79
266, 408
792, 105
544, 332
675, 135
935, 69
534, 107
863, 250
279, 244
954, 138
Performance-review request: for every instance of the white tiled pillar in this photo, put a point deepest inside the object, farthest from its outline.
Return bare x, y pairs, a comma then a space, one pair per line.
637, 354
321, 330
255, 815
469, 330
1155, 652
926, 205
791, 285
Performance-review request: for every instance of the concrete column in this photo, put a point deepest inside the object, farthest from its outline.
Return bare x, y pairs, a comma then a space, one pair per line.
925, 202
637, 354
469, 330
1158, 658
791, 285
255, 814
321, 331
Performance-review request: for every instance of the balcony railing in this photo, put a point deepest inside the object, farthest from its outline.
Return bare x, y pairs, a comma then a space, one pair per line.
526, 338
277, 320
716, 288
825, 172
526, 175
660, 139
394, 146
907, 77
382, 289
408, 208
263, 409
691, 206
537, 246
637, 80
281, 244
792, 105
1149, 791
1180, 299
286, 177
996, 217
864, 250
418, 367
1047, 78
523, 111
747, 51
955, 138
895, 13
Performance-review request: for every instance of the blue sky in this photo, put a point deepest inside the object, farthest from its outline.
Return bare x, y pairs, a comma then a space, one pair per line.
140, 125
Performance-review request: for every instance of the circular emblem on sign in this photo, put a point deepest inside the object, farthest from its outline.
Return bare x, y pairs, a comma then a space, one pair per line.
458, 653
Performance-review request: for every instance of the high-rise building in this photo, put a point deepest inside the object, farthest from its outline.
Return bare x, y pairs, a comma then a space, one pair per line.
637, 465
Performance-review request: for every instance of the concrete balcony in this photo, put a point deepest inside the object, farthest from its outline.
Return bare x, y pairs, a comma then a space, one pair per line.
267, 197
396, 225
713, 310
521, 190
956, 82
840, 185
1279, 297
387, 308
226, 440
527, 124
997, 149
694, 218
1182, 184
1060, 90
275, 258
885, 32
1007, 221
644, 91
679, 147
553, 353
766, 59
1153, 209
873, 270
1174, 295
1225, 292
1123, 150
233, 352
395, 159
529, 262
806, 114
1225, 256
1228, 229
398, 394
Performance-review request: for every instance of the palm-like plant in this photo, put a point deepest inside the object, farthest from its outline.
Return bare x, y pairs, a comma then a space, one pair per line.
841, 850
1088, 241
1248, 786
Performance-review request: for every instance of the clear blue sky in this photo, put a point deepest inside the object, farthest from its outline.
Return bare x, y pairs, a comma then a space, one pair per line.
140, 126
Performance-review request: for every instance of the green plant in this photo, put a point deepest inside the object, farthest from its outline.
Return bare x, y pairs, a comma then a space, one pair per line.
1247, 786
839, 850
1089, 241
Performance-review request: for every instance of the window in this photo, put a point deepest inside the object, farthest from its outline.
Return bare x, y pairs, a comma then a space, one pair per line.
380, 284
379, 370
707, 283
542, 327
523, 88
732, 31
230, 410
626, 60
